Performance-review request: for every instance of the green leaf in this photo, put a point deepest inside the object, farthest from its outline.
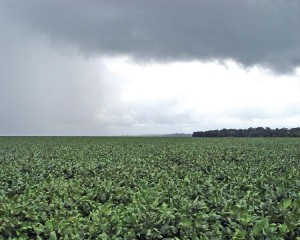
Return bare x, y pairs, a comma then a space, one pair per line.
286, 203
104, 236
39, 229
282, 228
198, 222
239, 235
154, 233
186, 223
53, 236
259, 226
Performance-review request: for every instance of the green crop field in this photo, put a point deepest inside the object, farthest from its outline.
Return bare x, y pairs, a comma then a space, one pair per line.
149, 188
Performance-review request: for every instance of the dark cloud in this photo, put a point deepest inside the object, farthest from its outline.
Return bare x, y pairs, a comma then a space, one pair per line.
251, 32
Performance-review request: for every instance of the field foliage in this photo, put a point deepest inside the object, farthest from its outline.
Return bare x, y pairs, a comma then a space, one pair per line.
149, 188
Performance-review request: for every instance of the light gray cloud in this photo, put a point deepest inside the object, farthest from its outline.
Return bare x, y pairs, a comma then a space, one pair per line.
44, 91
251, 32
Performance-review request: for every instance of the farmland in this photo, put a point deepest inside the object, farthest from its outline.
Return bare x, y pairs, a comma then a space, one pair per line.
149, 188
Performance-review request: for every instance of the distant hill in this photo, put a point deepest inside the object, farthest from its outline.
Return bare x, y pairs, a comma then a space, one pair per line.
250, 132
178, 135
169, 135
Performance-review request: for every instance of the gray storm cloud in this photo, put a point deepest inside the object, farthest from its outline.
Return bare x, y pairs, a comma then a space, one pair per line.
251, 32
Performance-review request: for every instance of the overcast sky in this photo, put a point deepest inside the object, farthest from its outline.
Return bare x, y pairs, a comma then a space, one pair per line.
135, 67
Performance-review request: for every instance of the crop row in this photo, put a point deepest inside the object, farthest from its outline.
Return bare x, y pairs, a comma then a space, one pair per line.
149, 188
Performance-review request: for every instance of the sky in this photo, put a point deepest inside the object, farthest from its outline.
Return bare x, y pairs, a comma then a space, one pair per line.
137, 67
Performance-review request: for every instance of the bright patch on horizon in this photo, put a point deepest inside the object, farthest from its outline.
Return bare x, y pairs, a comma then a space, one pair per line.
207, 95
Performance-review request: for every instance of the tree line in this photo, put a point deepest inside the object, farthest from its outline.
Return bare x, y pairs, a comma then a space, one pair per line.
250, 132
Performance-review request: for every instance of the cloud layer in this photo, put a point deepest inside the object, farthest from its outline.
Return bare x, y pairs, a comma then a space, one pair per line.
141, 67
251, 32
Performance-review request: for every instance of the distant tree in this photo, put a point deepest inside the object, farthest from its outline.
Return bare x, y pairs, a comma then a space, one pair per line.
250, 132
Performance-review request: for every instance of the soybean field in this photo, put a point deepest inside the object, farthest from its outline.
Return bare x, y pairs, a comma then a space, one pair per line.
149, 188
